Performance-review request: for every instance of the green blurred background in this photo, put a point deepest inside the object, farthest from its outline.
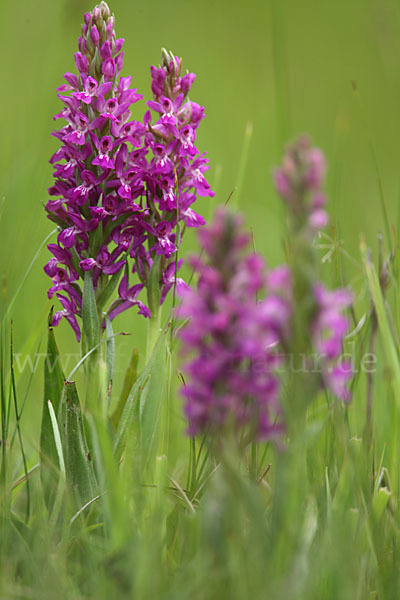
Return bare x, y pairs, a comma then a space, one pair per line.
286, 66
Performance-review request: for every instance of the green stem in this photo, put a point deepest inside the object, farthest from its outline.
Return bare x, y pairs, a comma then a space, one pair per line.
92, 335
92, 383
153, 332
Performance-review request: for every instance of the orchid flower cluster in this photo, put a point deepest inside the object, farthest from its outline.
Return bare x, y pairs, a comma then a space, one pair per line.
123, 188
299, 181
233, 338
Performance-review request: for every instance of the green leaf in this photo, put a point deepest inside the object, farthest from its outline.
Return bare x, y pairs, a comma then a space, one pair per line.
142, 408
112, 489
53, 388
4, 419
90, 317
380, 501
78, 464
58, 500
384, 325
131, 375
24, 531
17, 419
150, 401
107, 292
57, 438
153, 289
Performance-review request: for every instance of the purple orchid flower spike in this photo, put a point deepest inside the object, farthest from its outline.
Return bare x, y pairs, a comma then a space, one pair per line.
299, 181
124, 189
86, 209
173, 166
231, 377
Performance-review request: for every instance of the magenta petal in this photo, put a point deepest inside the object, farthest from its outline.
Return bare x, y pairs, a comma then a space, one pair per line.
67, 237
76, 137
98, 123
74, 324
51, 267
122, 289
181, 286
193, 219
155, 106
125, 192
112, 269
119, 309
57, 318
104, 88
87, 264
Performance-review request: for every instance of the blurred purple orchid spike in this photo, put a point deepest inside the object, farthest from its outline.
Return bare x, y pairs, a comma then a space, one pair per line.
234, 340
299, 181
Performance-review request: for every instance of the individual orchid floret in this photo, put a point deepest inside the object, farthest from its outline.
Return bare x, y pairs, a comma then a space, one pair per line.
234, 340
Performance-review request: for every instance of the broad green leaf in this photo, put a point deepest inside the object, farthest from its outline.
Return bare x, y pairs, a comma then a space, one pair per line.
128, 423
345, 489
108, 290
90, 317
78, 464
4, 418
150, 402
111, 487
384, 326
142, 408
131, 375
380, 501
53, 388
22, 536
22, 528
390, 349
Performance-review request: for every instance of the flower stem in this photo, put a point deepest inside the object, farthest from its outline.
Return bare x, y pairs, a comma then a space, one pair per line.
153, 332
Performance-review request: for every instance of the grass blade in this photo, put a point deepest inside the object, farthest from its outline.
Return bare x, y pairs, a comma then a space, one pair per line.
12, 302
17, 420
